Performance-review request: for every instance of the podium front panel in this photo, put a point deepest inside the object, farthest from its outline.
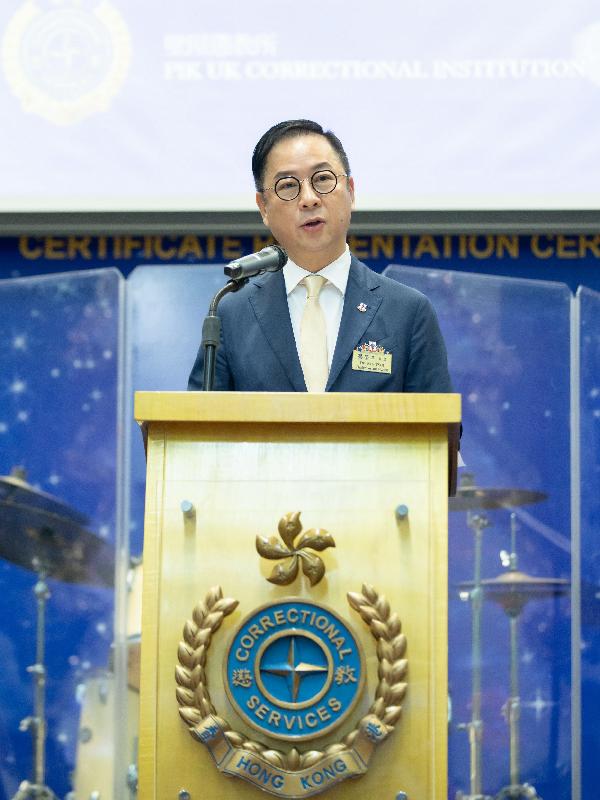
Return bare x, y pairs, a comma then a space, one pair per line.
380, 492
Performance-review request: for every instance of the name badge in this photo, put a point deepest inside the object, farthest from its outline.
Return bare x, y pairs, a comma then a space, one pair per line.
369, 357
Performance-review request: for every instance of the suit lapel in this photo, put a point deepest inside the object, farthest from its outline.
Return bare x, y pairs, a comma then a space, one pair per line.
270, 306
362, 287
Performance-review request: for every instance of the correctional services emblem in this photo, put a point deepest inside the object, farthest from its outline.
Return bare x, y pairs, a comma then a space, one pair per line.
294, 671
67, 59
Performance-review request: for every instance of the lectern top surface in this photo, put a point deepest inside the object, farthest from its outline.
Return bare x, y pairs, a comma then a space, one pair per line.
291, 407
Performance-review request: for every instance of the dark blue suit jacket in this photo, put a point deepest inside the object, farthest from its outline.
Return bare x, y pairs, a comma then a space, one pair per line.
258, 351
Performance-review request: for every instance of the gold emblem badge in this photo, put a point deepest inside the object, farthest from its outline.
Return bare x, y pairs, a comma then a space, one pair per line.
294, 671
65, 62
291, 653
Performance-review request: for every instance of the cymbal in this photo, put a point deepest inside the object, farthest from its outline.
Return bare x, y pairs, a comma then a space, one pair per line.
513, 589
15, 490
469, 498
36, 525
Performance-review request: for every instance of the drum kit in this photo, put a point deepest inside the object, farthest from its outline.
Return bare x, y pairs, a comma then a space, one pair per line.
42, 534
512, 590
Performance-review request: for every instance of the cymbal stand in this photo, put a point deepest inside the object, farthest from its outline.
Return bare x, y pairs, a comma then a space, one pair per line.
37, 724
477, 523
512, 708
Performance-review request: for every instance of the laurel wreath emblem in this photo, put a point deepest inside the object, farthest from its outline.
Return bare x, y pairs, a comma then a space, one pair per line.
194, 698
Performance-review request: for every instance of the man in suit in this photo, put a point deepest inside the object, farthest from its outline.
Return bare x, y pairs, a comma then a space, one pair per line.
347, 330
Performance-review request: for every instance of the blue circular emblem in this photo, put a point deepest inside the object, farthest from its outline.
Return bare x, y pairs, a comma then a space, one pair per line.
294, 670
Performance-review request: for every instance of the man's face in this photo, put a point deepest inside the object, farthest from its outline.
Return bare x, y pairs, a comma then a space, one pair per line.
313, 227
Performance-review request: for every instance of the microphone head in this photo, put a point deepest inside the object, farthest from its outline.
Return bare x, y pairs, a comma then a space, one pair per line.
283, 256
269, 259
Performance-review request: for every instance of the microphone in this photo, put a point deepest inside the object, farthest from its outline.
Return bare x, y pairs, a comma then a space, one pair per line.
269, 259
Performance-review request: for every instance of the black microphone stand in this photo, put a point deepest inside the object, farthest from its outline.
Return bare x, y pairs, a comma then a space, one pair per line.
269, 259
211, 331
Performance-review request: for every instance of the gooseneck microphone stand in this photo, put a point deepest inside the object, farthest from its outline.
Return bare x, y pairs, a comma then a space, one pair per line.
269, 259
211, 332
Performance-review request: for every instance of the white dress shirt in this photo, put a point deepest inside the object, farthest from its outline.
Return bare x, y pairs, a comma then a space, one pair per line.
331, 297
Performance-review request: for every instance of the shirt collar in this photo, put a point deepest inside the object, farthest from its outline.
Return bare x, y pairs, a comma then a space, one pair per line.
336, 273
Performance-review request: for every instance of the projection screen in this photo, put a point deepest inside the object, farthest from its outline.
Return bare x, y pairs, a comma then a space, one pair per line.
121, 105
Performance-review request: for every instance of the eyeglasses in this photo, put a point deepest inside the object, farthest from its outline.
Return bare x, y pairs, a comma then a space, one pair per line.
323, 181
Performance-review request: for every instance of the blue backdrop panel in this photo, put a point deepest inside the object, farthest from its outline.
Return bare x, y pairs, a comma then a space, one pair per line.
59, 342
508, 342
590, 539
165, 310
508, 345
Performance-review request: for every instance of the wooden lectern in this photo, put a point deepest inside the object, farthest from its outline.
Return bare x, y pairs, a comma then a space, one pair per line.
331, 676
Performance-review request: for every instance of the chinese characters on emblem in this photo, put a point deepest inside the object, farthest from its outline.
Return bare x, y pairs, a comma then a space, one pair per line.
344, 674
242, 677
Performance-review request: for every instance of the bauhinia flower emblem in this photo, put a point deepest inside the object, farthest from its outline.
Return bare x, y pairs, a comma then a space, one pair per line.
295, 550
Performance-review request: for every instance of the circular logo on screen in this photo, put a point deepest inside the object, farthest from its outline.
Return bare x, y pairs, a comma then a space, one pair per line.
66, 60
294, 670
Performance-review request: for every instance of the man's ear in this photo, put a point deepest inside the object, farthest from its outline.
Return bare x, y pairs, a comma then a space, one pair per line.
260, 202
351, 189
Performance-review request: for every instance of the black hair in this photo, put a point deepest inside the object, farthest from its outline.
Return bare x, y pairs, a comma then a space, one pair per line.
284, 130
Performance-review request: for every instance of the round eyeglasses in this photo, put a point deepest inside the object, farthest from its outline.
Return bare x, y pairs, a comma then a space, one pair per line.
323, 181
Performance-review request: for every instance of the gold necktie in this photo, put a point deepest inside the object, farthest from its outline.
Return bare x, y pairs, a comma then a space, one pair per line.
313, 336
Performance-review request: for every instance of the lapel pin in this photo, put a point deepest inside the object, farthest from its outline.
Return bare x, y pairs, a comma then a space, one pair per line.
362, 307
